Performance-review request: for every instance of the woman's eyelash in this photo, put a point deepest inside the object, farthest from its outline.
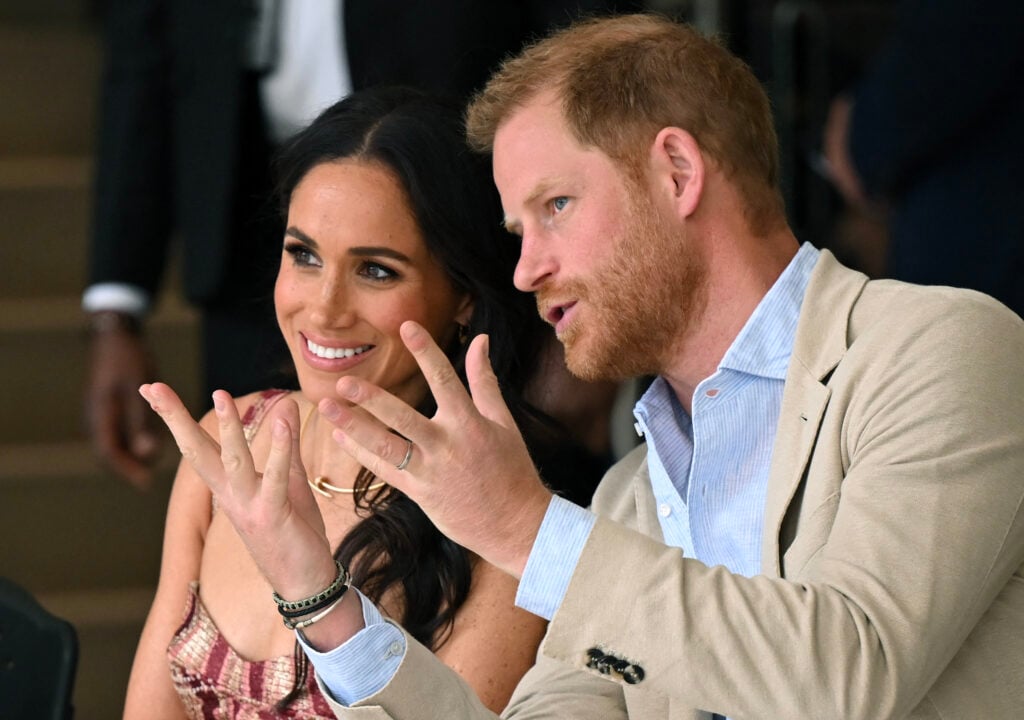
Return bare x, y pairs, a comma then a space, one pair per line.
300, 253
376, 271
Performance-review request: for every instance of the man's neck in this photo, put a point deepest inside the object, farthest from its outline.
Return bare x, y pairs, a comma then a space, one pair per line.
740, 273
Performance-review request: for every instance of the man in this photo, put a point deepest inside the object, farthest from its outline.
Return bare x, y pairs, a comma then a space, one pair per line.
826, 520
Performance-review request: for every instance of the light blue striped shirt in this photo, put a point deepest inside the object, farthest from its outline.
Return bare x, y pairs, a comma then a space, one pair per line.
709, 474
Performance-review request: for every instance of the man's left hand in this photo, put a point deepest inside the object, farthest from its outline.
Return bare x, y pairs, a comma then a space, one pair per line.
469, 469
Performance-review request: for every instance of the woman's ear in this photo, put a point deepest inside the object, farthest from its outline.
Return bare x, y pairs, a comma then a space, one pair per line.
465, 310
678, 165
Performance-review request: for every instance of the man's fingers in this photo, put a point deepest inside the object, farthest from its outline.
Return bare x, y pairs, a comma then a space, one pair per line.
381, 468
380, 411
444, 382
483, 384
360, 424
108, 443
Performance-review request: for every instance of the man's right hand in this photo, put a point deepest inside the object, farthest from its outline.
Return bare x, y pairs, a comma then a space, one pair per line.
120, 425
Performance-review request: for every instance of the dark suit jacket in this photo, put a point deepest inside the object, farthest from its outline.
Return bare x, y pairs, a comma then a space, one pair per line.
936, 130
182, 146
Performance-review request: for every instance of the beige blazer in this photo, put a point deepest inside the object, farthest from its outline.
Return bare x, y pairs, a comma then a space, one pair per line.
892, 578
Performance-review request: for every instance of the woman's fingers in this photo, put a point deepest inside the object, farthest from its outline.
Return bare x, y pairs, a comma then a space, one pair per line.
284, 477
235, 455
197, 447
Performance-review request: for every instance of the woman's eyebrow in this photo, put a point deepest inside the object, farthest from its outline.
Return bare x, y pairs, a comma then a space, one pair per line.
299, 235
358, 251
376, 250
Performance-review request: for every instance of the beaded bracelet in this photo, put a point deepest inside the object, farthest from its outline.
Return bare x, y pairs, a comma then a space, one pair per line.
316, 602
293, 624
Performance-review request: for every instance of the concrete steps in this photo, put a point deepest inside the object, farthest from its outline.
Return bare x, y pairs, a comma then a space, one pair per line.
82, 541
48, 81
45, 205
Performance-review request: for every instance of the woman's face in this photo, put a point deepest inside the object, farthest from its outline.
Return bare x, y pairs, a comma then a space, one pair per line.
354, 268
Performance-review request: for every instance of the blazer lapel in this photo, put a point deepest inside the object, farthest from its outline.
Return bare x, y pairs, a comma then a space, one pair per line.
821, 342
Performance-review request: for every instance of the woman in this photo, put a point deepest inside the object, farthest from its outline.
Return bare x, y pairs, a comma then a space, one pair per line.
389, 218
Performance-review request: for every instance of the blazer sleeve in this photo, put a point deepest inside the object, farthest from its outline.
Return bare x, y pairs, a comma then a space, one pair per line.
424, 688
947, 64
916, 547
132, 214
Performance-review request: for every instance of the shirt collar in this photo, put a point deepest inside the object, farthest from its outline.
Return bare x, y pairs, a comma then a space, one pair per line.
764, 345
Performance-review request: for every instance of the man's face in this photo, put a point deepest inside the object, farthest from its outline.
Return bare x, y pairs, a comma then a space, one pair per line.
611, 271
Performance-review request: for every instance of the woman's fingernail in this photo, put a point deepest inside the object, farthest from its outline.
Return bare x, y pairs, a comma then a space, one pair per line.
280, 428
218, 403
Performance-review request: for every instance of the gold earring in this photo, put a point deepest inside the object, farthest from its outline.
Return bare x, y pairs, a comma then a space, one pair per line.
463, 333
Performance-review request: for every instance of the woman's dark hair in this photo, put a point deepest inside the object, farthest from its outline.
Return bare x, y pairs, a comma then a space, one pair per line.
420, 139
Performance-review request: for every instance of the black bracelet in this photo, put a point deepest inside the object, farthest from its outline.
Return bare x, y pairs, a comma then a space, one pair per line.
315, 602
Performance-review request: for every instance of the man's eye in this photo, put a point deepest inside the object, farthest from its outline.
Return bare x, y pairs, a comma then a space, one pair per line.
559, 203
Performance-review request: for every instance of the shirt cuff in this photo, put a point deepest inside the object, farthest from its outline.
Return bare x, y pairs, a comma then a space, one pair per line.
117, 297
362, 666
554, 557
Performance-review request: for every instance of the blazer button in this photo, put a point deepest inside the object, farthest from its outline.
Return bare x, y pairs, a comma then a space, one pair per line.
594, 655
633, 674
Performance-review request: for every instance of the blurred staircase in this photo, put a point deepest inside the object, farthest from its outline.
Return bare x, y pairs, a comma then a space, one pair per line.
84, 542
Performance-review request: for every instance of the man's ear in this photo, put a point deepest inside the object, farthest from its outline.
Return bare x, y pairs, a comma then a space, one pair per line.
678, 165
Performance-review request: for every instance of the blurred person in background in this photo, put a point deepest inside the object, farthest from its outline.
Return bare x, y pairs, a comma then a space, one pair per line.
195, 97
930, 140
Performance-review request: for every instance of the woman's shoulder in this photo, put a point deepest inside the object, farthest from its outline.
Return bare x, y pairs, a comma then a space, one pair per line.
254, 408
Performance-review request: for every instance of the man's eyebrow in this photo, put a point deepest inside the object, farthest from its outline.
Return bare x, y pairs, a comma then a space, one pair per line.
542, 188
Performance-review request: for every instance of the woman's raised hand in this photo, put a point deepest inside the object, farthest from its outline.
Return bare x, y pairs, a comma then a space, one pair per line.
274, 512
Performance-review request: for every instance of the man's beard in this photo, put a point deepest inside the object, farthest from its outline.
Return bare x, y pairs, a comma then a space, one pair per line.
638, 305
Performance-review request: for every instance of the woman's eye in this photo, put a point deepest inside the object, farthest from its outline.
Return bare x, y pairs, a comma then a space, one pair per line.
558, 204
302, 255
375, 271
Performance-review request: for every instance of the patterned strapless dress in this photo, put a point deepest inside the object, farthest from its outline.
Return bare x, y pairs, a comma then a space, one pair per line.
213, 681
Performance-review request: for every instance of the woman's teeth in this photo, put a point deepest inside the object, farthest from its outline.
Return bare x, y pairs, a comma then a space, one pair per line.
334, 353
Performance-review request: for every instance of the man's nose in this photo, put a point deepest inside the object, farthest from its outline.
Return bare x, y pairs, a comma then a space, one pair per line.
537, 264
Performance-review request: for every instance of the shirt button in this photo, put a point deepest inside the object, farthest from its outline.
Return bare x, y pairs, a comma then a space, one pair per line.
665, 509
395, 649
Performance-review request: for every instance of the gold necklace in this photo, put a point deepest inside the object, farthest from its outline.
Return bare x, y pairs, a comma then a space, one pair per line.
321, 483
